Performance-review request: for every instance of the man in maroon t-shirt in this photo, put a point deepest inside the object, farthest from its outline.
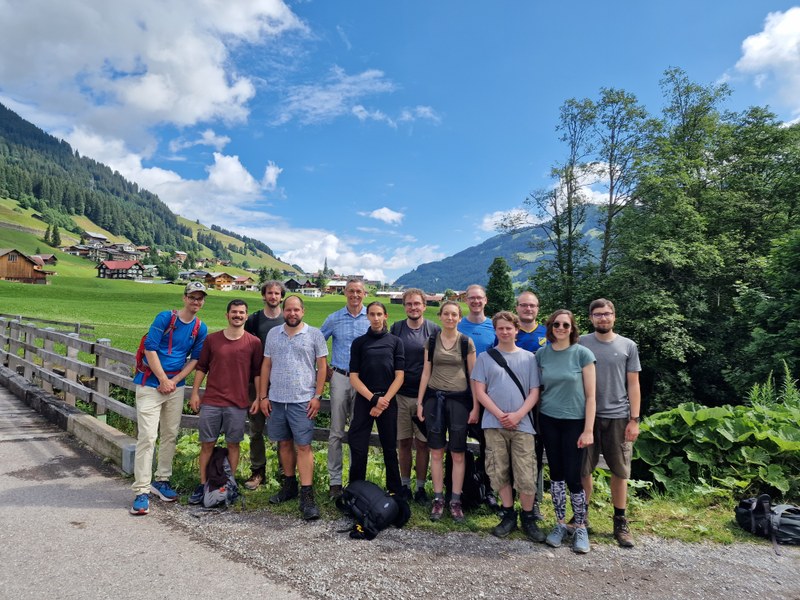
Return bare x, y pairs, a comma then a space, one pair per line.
232, 359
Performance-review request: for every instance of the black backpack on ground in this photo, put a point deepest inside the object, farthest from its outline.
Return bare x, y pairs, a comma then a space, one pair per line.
372, 508
473, 493
221, 489
780, 523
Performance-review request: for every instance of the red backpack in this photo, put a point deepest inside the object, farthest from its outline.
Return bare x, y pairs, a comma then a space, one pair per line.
141, 366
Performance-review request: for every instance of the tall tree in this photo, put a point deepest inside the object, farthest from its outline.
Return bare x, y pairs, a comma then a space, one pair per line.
500, 290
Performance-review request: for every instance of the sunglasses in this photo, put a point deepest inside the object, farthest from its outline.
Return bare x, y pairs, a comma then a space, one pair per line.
560, 325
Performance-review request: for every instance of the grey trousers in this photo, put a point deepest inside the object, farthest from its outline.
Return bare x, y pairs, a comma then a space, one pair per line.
342, 397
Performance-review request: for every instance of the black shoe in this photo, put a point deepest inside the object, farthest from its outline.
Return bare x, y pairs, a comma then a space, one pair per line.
420, 497
531, 528
537, 512
405, 493
308, 507
508, 523
288, 491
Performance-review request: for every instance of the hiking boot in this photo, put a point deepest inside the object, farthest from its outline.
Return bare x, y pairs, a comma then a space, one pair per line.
308, 507
537, 512
557, 535
437, 509
141, 505
580, 540
197, 495
288, 491
420, 497
405, 493
621, 532
457, 511
335, 491
531, 527
257, 478
164, 490
508, 522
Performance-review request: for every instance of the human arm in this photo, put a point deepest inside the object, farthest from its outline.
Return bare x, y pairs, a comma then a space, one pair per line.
313, 404
194, 402
263, 384
423, 384
165, 384
589, 385
474, 414
635, 399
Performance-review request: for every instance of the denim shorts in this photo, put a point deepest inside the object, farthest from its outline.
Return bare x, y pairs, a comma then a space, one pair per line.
215, 420
289, 421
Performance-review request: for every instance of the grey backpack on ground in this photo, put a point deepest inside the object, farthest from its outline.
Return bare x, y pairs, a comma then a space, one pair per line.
220, 490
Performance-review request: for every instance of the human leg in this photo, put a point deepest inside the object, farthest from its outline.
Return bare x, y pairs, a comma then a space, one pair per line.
341, 410
148, 412
170, 422
387, 433
358, 439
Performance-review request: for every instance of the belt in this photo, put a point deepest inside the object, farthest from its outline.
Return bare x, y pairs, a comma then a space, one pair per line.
341, 371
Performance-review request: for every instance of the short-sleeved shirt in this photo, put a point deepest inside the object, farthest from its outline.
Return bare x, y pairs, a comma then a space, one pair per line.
561, 376
502, 389
230, 365
529, 340
344, 328
184, 347
293, 363
375, 356
447, 368
260, 325
482, 334
615, 359
414, 343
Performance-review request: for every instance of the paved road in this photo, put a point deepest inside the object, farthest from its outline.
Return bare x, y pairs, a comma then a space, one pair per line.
65, 532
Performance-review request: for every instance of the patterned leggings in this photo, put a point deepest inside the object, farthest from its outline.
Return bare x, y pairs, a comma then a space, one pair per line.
564, 458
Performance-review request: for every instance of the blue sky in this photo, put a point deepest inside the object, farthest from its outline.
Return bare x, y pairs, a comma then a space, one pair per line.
378, 135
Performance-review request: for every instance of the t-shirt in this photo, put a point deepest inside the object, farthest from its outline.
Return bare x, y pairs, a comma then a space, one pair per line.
229, 365
502, 389
615, 359
561, 375
376, 357
293, 369
447, 369
260, 324
482, 334
414, 342
529, 340
183, 345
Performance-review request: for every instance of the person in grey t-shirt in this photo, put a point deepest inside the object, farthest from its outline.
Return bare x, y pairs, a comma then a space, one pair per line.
618, 410
507, 423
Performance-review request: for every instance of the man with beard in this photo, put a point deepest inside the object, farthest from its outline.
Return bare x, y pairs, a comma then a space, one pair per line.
414, 331
294, 371
616, 424
259, 324
232, 359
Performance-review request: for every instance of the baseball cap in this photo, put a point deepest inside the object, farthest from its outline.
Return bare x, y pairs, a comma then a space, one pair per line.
194, 286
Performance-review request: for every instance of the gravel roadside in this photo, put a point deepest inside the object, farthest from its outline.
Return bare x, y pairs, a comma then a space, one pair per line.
317, 560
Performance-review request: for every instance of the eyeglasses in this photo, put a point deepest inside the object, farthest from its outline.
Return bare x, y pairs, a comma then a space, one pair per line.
475, 298
560, 325
525, 305
196, 298
605, 315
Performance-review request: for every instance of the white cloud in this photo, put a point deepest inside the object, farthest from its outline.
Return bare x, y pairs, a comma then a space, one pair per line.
387, 215
270, 180
207, 138
344, 38
334, 97
362, 114
518, 216
772, 56
121, 67
419, 112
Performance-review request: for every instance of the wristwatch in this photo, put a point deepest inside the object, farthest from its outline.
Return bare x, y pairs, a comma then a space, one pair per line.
637, 419
317, 397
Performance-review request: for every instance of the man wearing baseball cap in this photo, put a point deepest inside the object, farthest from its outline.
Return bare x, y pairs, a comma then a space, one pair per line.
171, 350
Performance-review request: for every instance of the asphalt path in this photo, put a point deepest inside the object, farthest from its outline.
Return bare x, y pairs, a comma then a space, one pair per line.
65, 531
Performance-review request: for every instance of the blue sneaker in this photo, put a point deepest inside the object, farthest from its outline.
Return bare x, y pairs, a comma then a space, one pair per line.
141, 505
556, 536
197, 495
580, 540
164, 490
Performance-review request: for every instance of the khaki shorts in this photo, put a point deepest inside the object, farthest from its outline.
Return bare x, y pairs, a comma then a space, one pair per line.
609, 438
406, 409
511, 451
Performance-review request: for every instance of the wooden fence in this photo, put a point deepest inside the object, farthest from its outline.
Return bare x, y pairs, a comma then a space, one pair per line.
52, 360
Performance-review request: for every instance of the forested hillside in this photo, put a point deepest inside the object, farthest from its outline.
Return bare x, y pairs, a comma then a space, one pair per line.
44, 173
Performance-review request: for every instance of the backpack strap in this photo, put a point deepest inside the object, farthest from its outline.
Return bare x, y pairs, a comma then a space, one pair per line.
500, 360
432, 346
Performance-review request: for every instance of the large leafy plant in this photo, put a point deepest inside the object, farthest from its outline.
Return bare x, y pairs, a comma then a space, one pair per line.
736, 449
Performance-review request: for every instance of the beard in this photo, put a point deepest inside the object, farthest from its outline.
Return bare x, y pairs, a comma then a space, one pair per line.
602, 329
293, 321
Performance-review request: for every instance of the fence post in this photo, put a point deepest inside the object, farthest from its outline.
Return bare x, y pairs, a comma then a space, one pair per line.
29, 355
71, 374
101, 386
47, 365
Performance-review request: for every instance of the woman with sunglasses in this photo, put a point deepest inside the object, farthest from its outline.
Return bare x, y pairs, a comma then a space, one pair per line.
567, 408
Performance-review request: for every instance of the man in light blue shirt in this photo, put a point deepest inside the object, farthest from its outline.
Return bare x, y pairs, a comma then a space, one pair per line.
344, 325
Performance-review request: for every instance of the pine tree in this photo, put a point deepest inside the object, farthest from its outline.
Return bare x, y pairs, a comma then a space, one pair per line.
500, 290
47, 236
55, 238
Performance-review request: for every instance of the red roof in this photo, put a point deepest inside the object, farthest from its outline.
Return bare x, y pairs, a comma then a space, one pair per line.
119, 264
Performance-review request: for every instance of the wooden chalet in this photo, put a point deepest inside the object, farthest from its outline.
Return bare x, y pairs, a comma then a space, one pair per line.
19, 267
220, 281
120, 269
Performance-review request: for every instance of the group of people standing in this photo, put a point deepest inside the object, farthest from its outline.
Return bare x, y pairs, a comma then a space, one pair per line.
524, 389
